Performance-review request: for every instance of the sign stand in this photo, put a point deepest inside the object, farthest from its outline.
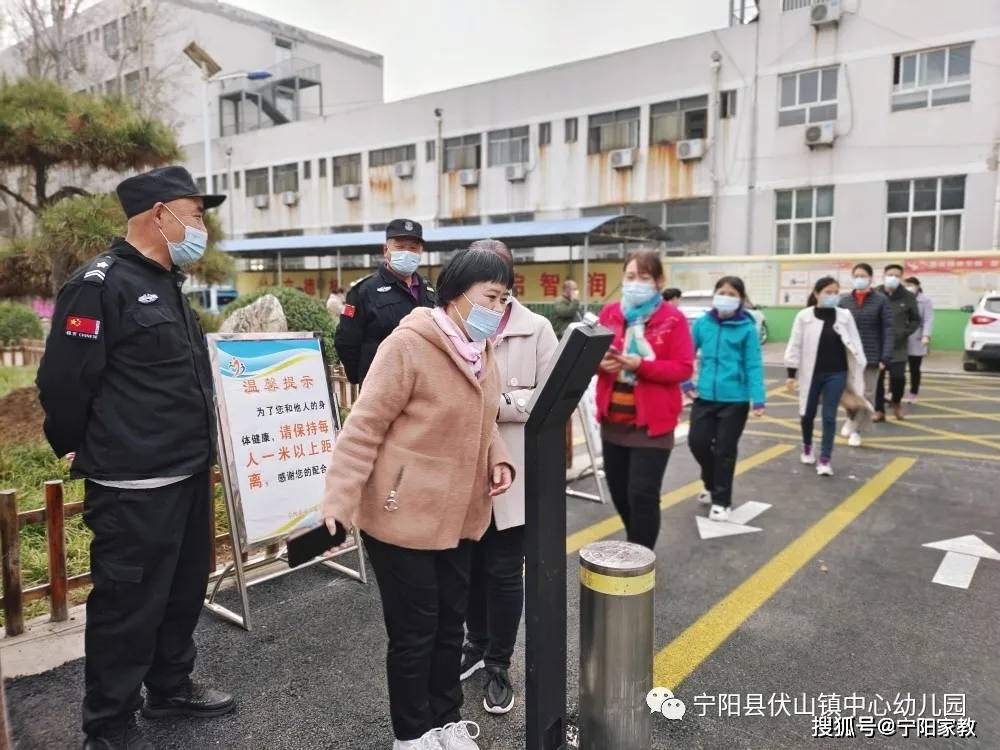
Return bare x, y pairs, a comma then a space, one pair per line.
245, 358
587, 413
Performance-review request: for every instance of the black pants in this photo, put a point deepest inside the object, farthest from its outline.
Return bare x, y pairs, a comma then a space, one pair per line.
424, 597
635, 477
714, 436
915, 363
496, 594
149, 561
897, 381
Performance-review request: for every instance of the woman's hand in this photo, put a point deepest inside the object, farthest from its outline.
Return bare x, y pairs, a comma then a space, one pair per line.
791, 384
759, 411
331, 526
611, 364
500, 482
630, 362
925, 340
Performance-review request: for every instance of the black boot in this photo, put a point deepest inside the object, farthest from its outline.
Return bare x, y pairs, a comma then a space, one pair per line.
119, 736
190, 700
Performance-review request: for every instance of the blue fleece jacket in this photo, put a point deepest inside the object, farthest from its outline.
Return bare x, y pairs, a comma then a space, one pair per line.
730, 368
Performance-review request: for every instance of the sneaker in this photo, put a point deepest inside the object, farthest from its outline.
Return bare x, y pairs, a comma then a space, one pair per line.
455, 736
911, 398
854, 440
718, 513
807, 456
472, 661
705, 497
192, 699
499, 698
849, 427
897, 410
823, 468
122, 736
427, 742
878, 416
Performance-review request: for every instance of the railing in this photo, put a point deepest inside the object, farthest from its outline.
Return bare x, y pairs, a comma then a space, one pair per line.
345, 391
25, 352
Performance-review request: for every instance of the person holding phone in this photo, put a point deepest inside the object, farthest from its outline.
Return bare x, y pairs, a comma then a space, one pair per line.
638, 393
419, 461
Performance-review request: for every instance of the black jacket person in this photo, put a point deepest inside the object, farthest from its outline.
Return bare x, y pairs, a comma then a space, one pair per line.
126, 386
905, 320
377, 303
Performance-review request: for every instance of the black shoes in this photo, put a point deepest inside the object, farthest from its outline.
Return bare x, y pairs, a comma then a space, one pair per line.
472, 661
499, 698
118, 737
192, 700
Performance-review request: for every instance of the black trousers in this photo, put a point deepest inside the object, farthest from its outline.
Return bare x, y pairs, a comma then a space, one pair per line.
496, 594
915, 363
149, 561
635, 476
424, 598
897, 381
714, 437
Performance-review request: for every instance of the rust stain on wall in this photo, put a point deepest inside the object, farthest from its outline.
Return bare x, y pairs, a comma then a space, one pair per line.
459, 201
390, 195
668, 177
605, 184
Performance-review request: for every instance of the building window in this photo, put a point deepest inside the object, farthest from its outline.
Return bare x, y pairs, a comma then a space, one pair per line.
347, 228
258, 182
286, 177
306, 170
220, 183
429, 148
111, 87
808, 96
678, 120
687, 221
377, 227
110, 36
347, 170
462, 152
508, 218
611, 130
322, 168
925, 214
571, 126
727, 104
459, 221
388, 156
133, 85
803, 220
544, 133
282, 49
508, 146
931, 77
200, 184
236, 180
130, 30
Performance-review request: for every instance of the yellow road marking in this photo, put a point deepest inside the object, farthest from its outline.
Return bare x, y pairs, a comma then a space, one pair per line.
952, 415
971, 455
688, 650
613, 524
953, 399
949, 434
961, 393
962, 412
920, 438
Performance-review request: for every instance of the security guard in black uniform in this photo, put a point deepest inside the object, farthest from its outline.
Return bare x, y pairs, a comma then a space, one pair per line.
126, 387
378, 302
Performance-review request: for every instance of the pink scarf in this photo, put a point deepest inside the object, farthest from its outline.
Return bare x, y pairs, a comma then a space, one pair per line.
470, 351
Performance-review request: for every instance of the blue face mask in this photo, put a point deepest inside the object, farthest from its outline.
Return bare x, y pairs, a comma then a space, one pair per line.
191, 248
829, 300
482, 323
638, 293
404, 262
861, 282
726, 304
891, 282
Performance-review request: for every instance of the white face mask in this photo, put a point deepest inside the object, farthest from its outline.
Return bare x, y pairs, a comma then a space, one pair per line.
891, 282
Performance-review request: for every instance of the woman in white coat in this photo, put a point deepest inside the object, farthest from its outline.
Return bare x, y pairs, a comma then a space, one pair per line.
522, 348
825, 353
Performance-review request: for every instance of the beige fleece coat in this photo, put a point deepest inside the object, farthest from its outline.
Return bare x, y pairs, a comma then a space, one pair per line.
425, 427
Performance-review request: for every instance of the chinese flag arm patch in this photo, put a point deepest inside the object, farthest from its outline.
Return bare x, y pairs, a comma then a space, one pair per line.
79, 327
349, 311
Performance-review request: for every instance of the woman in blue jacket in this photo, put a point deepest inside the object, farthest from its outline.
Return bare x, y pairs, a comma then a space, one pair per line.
730, 379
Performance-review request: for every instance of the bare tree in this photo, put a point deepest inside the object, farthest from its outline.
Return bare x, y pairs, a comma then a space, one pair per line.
44, 28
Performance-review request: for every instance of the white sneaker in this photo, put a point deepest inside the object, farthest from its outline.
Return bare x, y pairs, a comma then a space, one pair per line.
427, 742
807, 456
456, 736
848, 428
705, 497
854, 440
718, 513
823, 469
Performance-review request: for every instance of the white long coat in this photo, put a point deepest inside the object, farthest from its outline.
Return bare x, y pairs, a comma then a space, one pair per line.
803, 344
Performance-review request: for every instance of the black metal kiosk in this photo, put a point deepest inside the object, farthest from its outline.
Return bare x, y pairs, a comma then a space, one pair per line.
574, 365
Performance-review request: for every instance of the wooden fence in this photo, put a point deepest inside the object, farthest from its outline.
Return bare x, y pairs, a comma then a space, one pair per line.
26, 352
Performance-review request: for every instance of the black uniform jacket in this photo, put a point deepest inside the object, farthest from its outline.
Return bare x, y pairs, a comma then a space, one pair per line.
375, 306
126, 381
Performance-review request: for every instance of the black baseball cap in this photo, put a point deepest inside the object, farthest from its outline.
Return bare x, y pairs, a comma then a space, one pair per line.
141, 192
404, 228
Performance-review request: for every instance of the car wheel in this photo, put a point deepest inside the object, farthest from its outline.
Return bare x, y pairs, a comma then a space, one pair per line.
763, 332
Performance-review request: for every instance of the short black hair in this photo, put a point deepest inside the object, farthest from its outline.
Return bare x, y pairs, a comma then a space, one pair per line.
469, 267
864, 267
672, 293
892, 266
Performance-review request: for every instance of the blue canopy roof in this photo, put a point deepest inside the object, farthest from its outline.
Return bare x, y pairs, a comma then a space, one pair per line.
596, 230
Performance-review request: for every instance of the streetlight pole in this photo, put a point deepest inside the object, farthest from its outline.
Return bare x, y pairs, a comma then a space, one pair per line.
206, 131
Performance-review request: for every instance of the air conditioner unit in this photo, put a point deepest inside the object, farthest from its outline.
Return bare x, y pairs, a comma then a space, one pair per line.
691, 149
820, 134
352, 192
468, 177
623, 158
403, 169
290, 198
825, 13
515, 173
261, 201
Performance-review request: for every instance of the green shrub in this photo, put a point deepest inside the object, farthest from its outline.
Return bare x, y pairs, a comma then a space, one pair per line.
19, 322
304, 313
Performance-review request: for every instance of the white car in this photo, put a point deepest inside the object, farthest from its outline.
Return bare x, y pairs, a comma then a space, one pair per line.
697, 303
982, 333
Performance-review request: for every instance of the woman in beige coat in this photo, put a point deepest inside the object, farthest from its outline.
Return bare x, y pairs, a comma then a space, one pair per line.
523, 346
415, 468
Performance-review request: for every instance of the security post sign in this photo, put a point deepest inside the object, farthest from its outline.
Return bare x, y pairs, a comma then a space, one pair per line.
277, 427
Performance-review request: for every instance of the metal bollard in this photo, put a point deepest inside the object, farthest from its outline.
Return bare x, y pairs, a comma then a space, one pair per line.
616, 645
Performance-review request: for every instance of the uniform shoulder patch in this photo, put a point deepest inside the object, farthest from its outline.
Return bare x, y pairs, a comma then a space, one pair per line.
97, 270
363, 278
79, 327
348, 311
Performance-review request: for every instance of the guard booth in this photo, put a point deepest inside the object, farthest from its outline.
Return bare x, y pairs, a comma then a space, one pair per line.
574, 365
